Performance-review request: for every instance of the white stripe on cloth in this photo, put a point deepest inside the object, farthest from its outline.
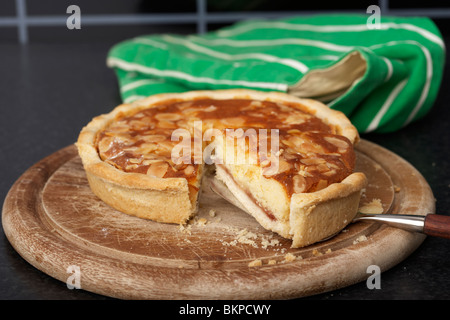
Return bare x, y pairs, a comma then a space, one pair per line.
428, 74
133, 98
280, 41
297, 65
331, 28
150, 42
138, 83
129, 66
386, 105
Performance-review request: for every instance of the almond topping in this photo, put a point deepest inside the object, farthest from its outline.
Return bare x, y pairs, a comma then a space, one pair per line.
189, 170
105, 144
154, 138
313, 161
283, 166
312, 148
329, 173
299, 183
184, 105
167, 124
134, 160
321, 184
168, 116
235, 122
265, 163
341, 144
323, 168
210, 108
158, 169
147, 148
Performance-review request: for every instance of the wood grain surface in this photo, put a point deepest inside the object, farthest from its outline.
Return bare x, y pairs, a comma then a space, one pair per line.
54, 221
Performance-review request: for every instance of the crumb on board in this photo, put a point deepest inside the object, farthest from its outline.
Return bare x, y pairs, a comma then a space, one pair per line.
212, 213
316, 253
289, 257
374, 207
361, 238
185, 228
397, 189
255, 263
243, 236
202, 222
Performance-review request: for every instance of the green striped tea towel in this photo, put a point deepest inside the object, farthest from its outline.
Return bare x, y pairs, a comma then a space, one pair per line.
382, 78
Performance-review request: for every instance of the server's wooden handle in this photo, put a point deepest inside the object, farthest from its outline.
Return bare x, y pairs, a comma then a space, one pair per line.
437, 225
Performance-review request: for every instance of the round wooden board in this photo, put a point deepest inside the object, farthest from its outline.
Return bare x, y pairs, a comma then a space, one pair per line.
54, 221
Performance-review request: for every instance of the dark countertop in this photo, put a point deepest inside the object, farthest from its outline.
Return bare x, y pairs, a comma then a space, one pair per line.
49, 91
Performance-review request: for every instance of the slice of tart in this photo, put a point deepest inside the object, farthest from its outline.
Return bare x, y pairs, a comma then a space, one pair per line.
289, 161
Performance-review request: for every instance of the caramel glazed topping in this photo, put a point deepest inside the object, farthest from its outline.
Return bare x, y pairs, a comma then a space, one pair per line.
311, 153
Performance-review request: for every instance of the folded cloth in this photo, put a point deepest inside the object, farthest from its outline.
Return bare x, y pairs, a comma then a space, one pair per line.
382, 78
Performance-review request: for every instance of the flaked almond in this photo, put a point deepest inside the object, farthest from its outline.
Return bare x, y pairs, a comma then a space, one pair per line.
167, 124
256, 103
276, 167
304, 172
189, 170
296, 140
154, 138
233, 122
256, 114
134, 160
322, 184
147, 148
332, 165
210, 108
311, 148
167, 145
168, 116
265, 163
329, 173
105, 144
131, 167
288, 143
148, 162
322, 167
298, 183
124, 137
339, 143
295, 119
158, 169
137, 125
132, 149
190, 111
313, 161
283, 166
184, 105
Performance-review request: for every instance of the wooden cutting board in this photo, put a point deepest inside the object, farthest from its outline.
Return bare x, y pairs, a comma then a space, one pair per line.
57, 224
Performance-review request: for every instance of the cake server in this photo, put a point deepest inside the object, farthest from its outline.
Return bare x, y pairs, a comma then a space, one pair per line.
431, 224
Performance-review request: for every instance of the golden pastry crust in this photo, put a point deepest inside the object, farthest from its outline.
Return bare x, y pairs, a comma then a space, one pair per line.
170, 200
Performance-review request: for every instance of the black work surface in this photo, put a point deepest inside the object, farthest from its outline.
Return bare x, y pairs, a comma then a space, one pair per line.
50, 90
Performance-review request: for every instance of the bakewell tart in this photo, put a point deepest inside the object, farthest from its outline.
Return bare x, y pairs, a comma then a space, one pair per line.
288, 161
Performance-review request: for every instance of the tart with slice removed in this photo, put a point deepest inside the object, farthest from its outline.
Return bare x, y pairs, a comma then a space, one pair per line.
289, 161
